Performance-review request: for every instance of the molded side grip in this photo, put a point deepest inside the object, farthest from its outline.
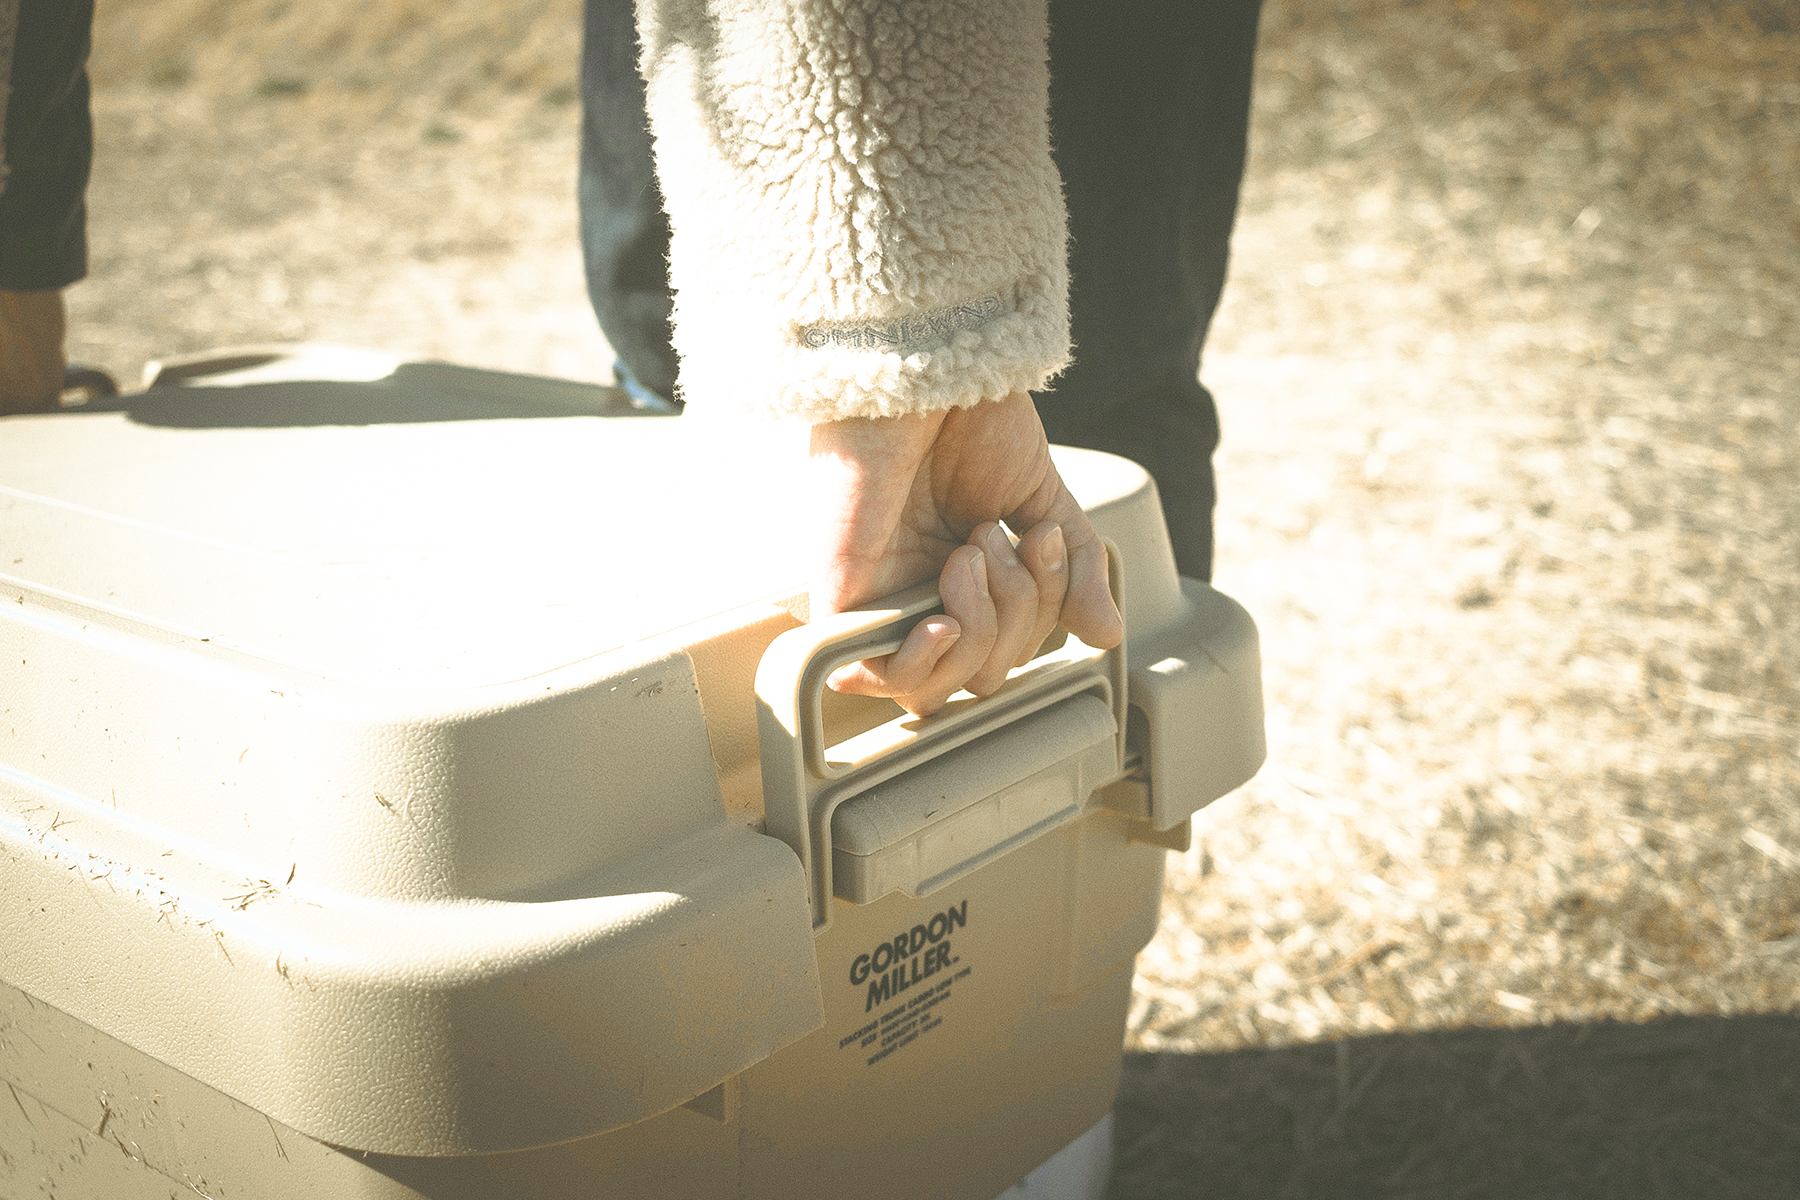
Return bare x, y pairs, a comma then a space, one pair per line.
1198, 684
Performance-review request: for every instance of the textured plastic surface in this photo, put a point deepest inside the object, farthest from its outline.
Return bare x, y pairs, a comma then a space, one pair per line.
125, 1127
380, 768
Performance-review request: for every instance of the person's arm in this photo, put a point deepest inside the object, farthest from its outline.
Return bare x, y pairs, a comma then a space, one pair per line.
868, 234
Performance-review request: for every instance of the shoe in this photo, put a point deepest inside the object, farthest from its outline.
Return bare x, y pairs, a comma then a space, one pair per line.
642, 398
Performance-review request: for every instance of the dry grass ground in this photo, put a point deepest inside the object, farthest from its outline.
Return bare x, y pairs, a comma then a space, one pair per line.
398, 173
1511, 376
1510, 371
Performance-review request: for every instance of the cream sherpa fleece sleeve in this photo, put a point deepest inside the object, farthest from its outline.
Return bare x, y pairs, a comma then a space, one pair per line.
866, 218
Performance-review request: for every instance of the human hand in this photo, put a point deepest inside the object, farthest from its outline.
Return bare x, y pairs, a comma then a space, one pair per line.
902, 497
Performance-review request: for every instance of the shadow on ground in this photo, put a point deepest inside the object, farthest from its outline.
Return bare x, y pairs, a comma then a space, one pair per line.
413, 392
1689, 1107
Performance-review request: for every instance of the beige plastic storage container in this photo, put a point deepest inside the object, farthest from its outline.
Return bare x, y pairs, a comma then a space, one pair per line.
415, 781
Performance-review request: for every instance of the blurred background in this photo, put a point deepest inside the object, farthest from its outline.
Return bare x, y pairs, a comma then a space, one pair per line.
1509, 366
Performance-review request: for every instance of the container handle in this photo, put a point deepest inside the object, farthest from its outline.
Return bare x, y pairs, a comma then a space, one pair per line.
805, 778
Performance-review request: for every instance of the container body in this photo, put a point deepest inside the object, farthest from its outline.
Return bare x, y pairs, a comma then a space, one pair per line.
952, 1072
394, 804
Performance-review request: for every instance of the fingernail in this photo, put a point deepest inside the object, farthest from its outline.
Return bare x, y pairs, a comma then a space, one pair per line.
978, 569
1001, 547
942, 632
1055, 551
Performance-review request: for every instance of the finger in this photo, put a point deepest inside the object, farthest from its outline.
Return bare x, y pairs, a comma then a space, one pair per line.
1015, 596
963, 584
906, 669
1046, 554
1088, 610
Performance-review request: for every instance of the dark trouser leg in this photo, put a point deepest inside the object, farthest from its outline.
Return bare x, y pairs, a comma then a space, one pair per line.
1149, 104
46, 144
49, 143
624, 231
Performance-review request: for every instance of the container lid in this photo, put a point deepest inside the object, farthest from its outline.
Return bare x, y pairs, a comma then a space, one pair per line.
438, 527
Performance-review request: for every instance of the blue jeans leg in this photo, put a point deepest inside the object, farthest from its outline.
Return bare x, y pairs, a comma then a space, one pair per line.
624, 231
